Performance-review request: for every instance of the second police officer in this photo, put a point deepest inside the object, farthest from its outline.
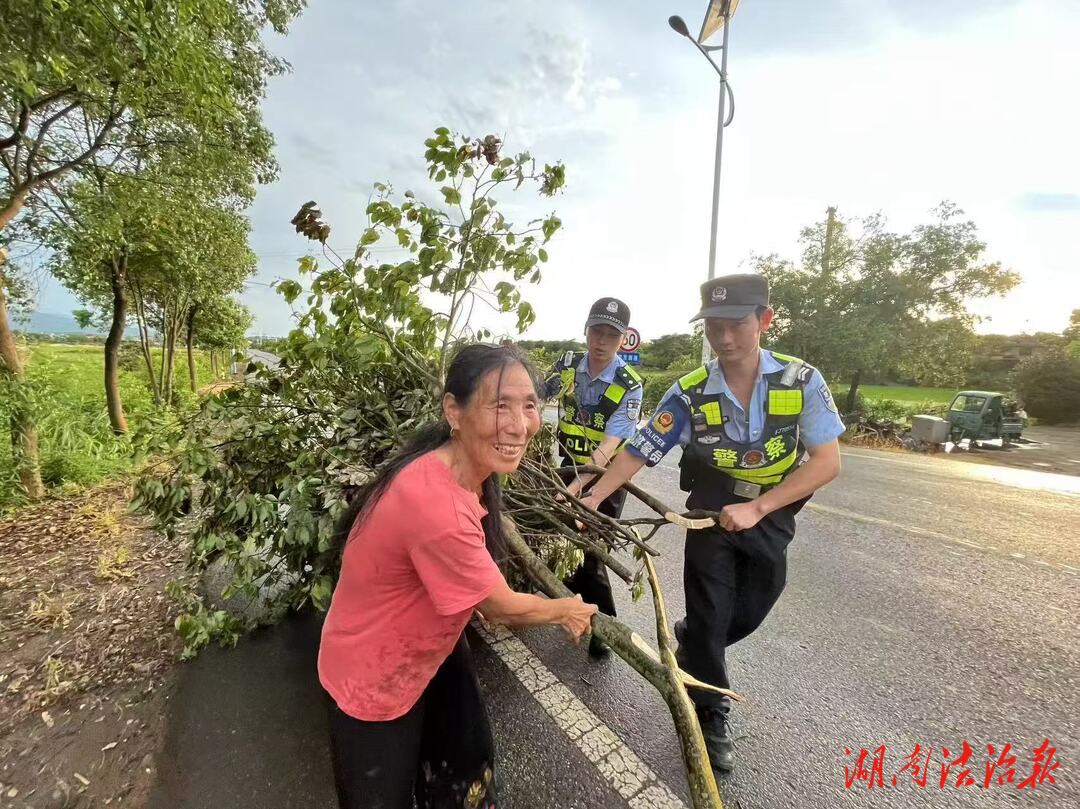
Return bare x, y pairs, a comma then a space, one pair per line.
746, 420
599, 404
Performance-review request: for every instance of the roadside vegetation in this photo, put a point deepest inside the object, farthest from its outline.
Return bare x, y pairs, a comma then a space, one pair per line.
77, 444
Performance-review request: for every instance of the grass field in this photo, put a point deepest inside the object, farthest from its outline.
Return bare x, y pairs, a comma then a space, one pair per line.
899, 393
658, 381
67, 386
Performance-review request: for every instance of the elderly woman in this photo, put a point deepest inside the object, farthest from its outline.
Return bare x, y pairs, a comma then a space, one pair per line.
407, 718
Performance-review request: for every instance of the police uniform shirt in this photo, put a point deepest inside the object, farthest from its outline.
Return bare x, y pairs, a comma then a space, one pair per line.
819, 423
589, 391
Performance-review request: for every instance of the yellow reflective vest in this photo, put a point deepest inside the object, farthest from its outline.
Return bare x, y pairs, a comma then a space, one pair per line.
770, 458
581, 428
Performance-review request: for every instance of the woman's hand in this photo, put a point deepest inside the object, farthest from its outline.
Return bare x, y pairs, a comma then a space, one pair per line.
576, 616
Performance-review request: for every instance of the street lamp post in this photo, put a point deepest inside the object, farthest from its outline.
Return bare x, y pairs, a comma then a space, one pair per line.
718, 15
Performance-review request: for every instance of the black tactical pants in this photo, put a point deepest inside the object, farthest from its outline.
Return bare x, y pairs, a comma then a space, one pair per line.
731, 581
591, 581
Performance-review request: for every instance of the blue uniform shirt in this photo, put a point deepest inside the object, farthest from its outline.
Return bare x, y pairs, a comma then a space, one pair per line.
819, 422
588, 391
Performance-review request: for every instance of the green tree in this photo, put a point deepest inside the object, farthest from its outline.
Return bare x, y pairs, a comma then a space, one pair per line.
863, 302
79, 81
1072, 331
996, 356
24, 437
944, 355
156, 241
269, 462
670, 348
1072, 335
220, 327
1049, 384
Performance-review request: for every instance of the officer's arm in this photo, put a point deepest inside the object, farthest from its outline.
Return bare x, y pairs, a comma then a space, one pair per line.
620, 427
822, 467
553, 380
669, 426
605, 450
624, 467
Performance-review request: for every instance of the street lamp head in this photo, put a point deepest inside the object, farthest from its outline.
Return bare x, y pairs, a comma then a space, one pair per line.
678, 24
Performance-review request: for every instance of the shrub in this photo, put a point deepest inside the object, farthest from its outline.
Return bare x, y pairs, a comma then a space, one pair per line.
1049, 383
656, 385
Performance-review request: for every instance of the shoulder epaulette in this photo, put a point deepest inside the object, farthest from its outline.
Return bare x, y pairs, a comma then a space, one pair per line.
694, 378
795, 369
628, 377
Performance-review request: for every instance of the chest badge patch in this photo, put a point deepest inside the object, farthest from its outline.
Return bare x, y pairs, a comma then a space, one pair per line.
752, 458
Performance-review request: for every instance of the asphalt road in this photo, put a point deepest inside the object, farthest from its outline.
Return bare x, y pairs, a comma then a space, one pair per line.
929, 602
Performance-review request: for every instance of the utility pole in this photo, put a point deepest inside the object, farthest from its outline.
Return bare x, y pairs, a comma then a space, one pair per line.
717, 17
830, 233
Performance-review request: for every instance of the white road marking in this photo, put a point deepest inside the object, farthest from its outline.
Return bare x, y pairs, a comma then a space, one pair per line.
617, 764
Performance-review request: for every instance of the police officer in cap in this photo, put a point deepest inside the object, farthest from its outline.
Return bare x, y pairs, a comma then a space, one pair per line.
599, 405
759, 434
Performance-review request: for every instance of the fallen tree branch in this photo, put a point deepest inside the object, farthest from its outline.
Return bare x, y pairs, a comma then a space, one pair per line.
661, 670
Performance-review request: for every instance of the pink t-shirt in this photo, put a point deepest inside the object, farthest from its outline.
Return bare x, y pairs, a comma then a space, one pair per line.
412, 572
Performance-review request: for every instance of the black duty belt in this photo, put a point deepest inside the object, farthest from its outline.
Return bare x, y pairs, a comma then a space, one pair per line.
740, 488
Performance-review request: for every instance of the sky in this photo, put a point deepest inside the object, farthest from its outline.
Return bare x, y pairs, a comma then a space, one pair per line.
887, 106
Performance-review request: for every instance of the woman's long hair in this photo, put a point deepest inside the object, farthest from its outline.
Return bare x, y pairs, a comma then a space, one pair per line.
469, 366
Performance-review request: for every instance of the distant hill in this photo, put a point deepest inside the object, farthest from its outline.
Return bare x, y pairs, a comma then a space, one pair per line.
54, 323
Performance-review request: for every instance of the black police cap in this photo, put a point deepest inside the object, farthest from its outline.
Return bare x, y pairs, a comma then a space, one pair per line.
733, 297
609, 312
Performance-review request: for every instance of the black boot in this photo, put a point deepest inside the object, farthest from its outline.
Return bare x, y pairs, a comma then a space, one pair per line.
718, 741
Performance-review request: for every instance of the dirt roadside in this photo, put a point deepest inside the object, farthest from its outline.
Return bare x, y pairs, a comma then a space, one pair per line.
88, 651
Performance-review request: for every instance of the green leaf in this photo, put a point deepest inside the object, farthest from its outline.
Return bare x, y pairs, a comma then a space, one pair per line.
451, 195
290, 290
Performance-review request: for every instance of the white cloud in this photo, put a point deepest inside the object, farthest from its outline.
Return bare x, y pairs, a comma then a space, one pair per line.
889, 105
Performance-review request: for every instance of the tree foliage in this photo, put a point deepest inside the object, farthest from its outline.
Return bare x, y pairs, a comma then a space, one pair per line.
262, 472
1049, 384
83, 79
867, 301
91, 88
667, 349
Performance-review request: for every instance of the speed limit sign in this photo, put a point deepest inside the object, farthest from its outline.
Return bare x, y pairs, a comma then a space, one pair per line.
629, 348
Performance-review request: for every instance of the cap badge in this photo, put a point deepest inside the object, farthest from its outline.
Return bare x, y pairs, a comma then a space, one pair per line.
719, 294
612, 306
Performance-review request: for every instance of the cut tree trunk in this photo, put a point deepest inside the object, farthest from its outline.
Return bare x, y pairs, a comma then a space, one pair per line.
24, 439
117, 271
